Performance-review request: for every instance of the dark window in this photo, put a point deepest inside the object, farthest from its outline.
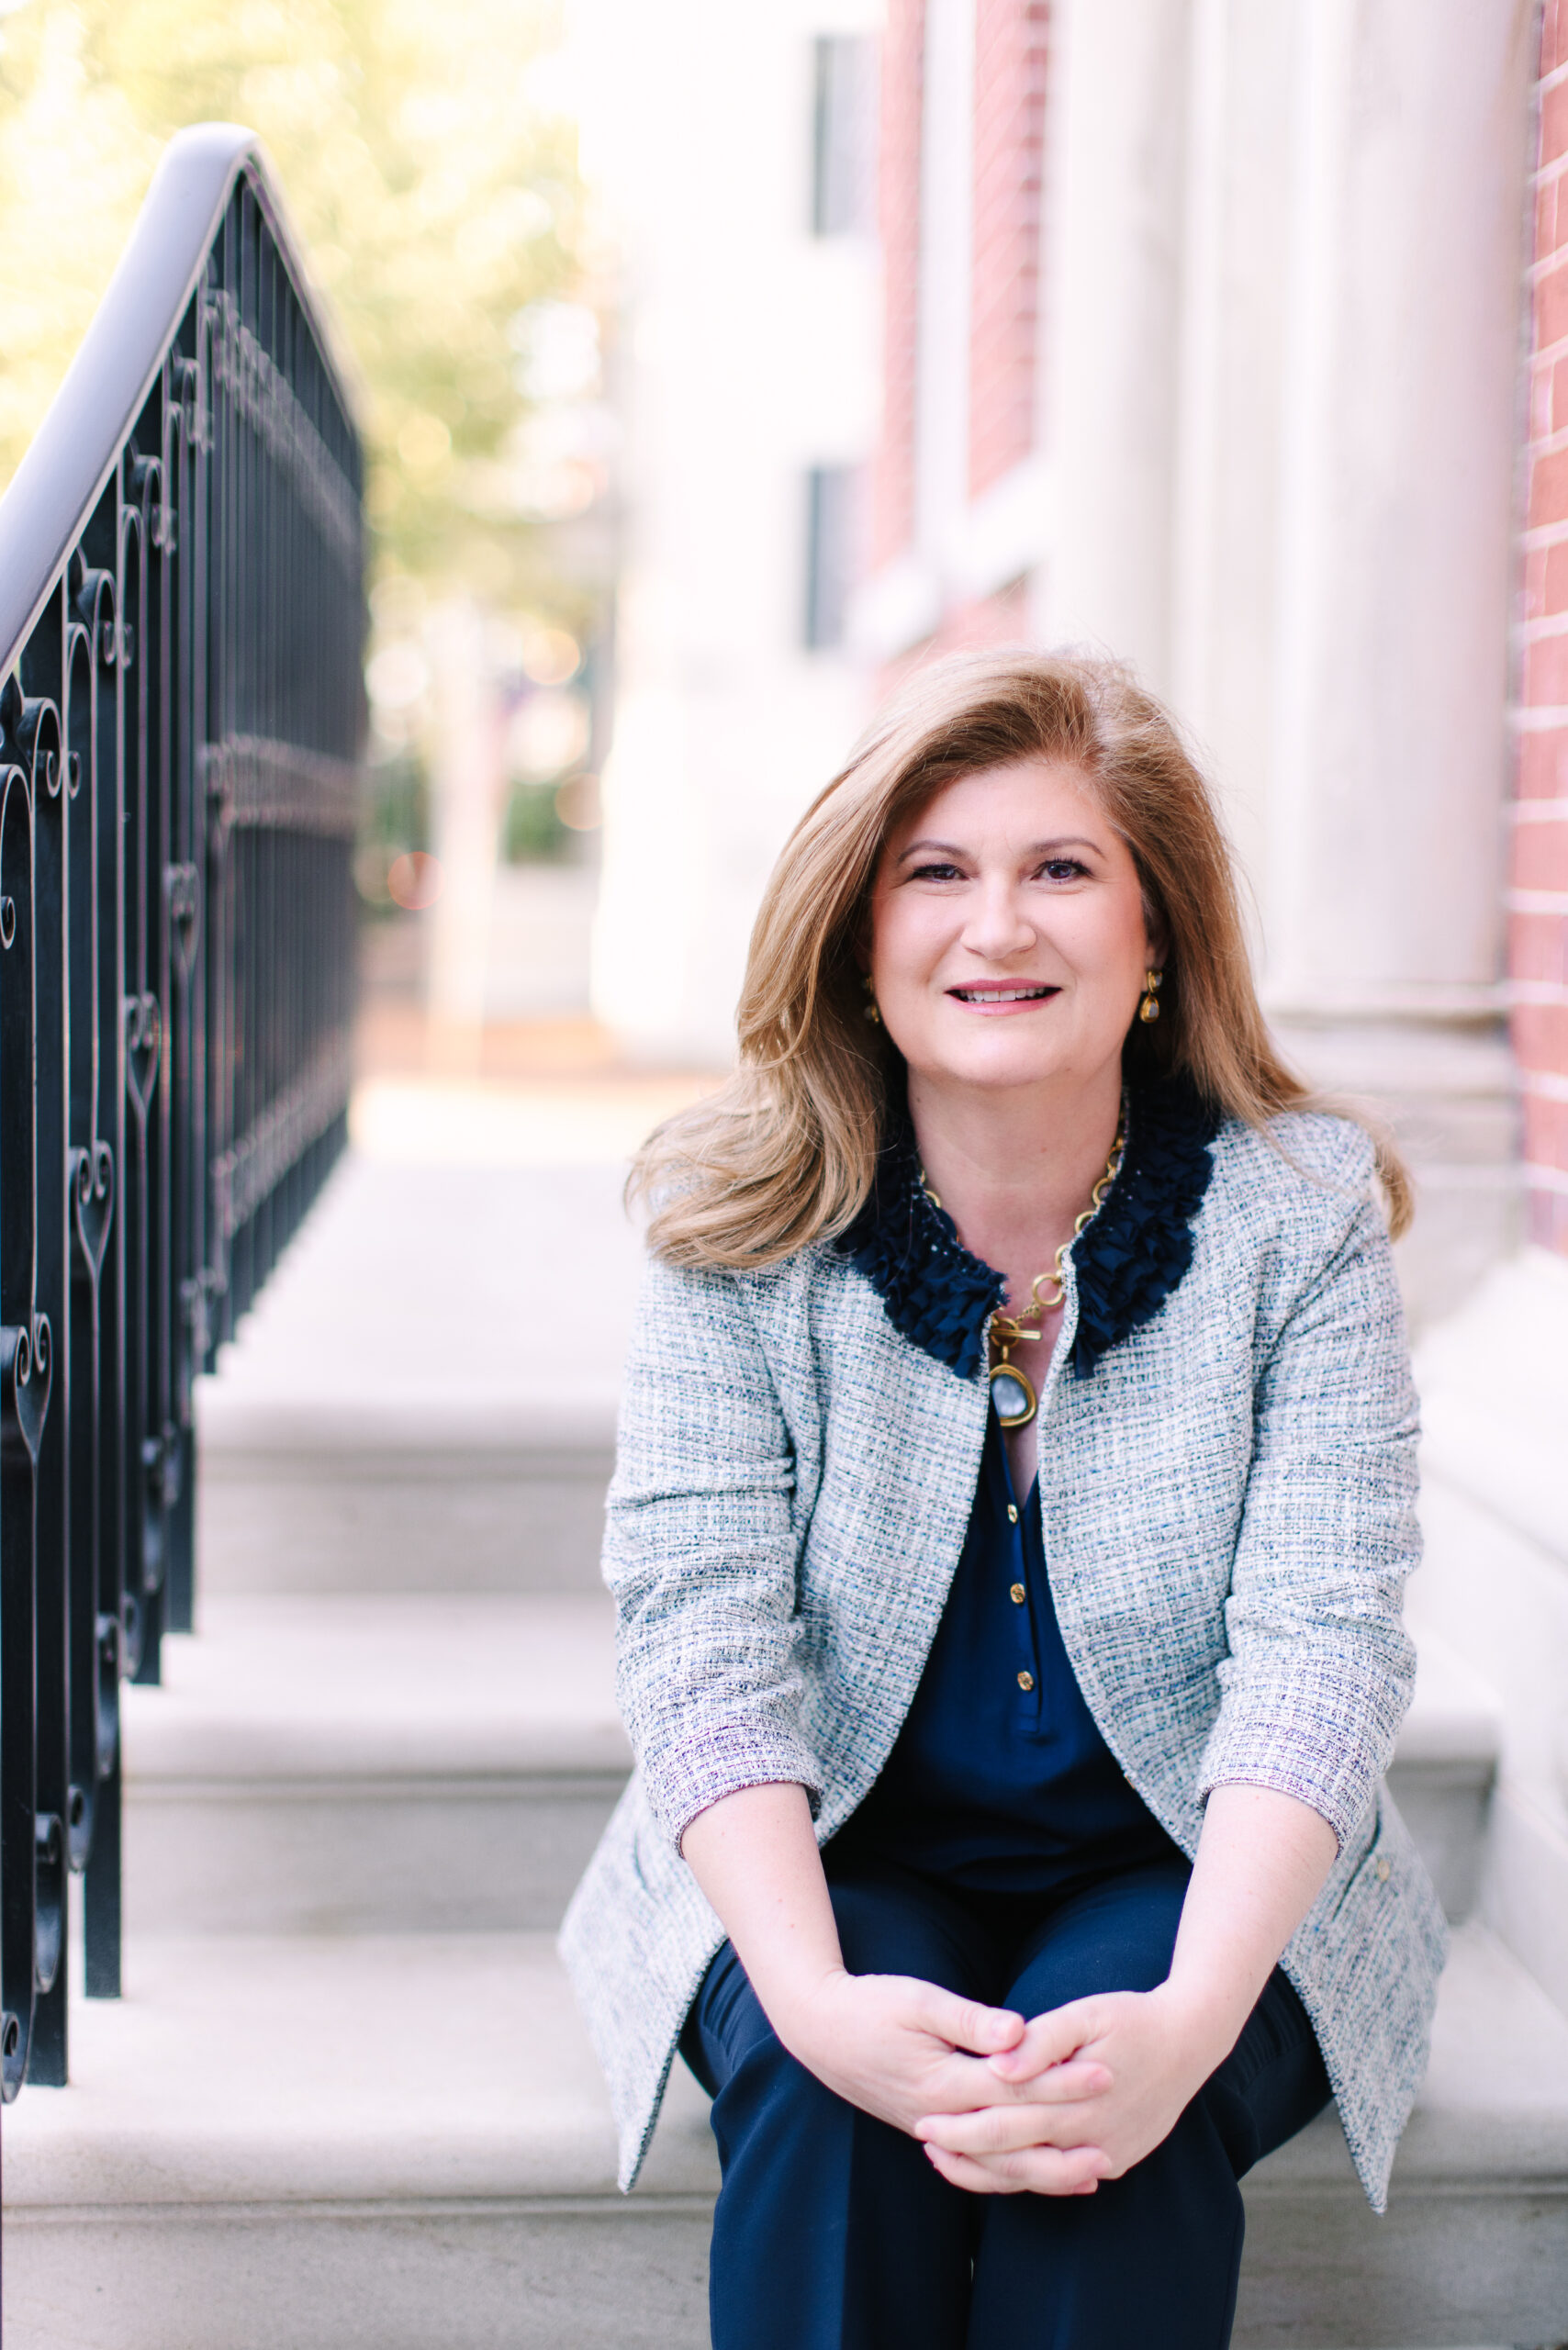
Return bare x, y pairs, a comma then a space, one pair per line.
830, 552
842, 134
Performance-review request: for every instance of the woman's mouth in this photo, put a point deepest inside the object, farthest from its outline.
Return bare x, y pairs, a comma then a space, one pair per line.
986, 997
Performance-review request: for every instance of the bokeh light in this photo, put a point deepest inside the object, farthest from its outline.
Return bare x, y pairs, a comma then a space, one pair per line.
414, 880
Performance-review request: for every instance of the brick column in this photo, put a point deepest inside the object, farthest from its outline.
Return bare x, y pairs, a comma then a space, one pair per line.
1538, 900
1010, 103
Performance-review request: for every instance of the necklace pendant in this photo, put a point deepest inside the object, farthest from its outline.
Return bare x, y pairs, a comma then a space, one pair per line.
1012, 1398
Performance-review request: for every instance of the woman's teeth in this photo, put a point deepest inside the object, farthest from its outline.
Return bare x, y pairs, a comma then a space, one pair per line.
1001, 995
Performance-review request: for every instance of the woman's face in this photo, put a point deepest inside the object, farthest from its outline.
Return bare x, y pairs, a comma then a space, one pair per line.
1008, 941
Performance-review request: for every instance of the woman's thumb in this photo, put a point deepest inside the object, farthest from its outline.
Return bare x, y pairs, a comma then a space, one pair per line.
985, 2031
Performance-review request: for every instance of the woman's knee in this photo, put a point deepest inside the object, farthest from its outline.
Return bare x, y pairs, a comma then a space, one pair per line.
1117, 1935
890, 1922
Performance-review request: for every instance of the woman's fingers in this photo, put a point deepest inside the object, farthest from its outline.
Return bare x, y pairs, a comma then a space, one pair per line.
965, 2023
1049, 2040
1035, 2170
960, 2084
1064, 2084
969, 2085
1007, 2129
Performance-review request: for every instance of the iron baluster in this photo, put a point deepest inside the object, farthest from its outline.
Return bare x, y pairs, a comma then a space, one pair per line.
182, 621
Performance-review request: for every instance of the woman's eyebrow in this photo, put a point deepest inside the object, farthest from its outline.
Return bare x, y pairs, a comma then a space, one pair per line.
1035, 848
926, 848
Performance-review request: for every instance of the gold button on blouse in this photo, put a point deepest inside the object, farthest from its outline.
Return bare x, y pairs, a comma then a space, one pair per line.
1025, 1681
1382, 1872
1012, 1513
1018, 1595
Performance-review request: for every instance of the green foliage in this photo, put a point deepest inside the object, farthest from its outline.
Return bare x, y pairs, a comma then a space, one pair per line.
533, 832
394, 817
436, 196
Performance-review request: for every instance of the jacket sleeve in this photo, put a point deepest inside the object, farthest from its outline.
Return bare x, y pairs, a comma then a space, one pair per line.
700, 1554
1320, 1669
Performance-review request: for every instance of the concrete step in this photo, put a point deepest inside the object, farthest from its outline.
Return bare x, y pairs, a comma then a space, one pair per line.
365, 2144
1445, 1769
1473, 2247
424, 1396
359, 1763
392, 2142
425, 1500
356, 1764
1494, 1383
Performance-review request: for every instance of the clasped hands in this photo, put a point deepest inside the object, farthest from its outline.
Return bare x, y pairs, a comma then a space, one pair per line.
1007, 2106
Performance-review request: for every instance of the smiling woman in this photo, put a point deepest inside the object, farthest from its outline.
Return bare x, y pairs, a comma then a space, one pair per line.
1010, 944
785, 1154
1013, 1503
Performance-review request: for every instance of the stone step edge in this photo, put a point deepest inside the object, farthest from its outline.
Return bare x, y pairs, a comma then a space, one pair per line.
356, 1440
1450, 1736
645, 2202
171, 2094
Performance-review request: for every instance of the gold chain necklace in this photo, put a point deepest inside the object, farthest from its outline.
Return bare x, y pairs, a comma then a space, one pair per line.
1011, 1392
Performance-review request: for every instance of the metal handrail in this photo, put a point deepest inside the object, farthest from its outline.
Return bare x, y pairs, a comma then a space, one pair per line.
181, 621
75, 448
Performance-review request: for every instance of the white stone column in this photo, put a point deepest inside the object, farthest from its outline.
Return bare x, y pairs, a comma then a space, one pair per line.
1395, 556
1114, 139
1383, 873
1285, 318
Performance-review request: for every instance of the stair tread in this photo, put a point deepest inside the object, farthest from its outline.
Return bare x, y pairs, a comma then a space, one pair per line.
404, 2068
436, 1305
399, 1685
1494, 2104
418, 2069
396, 1685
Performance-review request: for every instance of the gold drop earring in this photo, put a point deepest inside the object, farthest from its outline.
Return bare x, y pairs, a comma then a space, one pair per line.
872, 1014
1149, 1008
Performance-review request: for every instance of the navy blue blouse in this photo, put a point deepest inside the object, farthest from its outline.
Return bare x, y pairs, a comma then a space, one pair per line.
1000, 1780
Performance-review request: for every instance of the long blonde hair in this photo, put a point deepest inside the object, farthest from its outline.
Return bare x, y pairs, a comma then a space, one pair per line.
784, 1153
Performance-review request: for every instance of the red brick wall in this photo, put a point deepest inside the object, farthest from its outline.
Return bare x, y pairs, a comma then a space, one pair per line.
980, 626
898, 208
1010, 103
1539, 887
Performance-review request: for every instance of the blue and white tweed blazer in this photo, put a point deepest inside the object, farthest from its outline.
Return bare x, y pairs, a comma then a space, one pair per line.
1227, 1478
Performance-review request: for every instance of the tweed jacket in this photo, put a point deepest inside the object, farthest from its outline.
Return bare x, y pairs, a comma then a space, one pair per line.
1228, 1519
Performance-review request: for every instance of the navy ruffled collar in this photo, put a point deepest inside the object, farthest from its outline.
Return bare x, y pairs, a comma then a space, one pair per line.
1128, 1260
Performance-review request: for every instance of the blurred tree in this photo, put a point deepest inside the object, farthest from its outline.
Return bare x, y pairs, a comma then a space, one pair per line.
435, 188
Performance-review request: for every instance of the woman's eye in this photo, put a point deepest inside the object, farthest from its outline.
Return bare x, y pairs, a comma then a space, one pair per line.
935, 873
1064, 868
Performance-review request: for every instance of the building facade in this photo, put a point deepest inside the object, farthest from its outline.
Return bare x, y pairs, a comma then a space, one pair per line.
734, 153
1202, 346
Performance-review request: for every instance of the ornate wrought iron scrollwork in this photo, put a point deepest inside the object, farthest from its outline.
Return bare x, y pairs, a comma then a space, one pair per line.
143, 1041
26, 1368
93, 1204
178, 772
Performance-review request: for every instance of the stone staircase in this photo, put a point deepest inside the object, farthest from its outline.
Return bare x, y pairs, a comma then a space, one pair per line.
346, 2103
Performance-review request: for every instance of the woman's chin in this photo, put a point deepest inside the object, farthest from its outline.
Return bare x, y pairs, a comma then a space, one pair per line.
999, 1067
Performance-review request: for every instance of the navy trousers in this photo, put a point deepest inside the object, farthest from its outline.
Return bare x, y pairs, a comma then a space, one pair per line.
832, 2231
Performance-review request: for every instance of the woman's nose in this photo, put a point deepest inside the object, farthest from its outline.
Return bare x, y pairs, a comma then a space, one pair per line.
999, 924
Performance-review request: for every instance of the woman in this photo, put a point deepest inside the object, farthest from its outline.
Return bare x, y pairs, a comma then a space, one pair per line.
1013, 1500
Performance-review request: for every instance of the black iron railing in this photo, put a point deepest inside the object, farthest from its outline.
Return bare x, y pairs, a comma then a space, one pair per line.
181, 718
